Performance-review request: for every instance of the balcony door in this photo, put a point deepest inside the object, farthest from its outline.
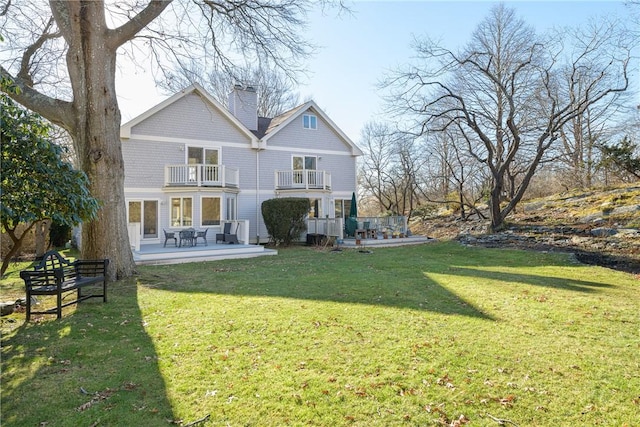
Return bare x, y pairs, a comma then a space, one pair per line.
203, 156
301, 166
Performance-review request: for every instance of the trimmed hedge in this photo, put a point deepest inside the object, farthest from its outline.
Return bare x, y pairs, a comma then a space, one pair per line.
284, 218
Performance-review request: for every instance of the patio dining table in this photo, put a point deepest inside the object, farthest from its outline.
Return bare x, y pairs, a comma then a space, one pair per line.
187, 237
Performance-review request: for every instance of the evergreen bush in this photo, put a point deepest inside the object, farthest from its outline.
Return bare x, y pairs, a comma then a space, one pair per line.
284, 218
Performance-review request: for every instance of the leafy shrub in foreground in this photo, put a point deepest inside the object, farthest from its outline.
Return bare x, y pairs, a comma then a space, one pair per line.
284, 218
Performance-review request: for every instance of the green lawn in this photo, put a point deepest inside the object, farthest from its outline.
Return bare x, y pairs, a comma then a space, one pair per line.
437, 334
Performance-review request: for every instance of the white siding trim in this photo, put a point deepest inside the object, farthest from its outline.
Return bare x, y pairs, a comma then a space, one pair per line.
155, 191
295, 150
193, 142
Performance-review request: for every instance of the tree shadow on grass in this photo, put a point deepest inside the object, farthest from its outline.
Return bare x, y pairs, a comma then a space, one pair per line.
397, 277
95, 366
348, 277
530, 279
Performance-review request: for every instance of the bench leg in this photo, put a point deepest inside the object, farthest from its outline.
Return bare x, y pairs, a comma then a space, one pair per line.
28, 306
59, 302
104, 290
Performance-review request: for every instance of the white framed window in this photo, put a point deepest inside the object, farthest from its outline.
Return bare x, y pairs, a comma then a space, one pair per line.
309, 121
299, 163
315, 210
203, 156
181, 212
210, 207
232, 207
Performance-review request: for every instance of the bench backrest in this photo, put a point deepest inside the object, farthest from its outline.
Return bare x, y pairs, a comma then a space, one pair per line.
53, 260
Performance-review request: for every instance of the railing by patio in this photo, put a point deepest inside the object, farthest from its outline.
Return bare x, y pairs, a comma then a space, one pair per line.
200, 175
333, 227
380, 223
302, 179
384, 226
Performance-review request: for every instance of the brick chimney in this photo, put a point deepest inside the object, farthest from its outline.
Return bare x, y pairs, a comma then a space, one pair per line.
243, 104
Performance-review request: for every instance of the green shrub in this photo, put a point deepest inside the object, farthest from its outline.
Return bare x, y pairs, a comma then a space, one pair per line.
284, 218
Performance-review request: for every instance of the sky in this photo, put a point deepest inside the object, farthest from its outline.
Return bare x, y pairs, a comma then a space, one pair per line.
357, 51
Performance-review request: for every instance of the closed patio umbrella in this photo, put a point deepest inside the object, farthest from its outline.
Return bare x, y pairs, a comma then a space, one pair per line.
353, 212
352, 223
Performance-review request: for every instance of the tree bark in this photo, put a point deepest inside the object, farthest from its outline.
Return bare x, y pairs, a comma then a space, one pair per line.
41, 234
95, 130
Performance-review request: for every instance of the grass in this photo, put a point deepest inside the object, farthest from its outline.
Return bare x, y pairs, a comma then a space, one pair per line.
437, 334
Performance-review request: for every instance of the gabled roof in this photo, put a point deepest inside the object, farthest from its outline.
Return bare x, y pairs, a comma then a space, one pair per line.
266, 127
282, 120
125, 129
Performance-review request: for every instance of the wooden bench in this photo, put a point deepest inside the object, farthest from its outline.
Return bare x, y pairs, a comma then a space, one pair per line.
55, 275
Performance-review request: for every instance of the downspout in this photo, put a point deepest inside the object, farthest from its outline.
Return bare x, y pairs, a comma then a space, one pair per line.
258, 196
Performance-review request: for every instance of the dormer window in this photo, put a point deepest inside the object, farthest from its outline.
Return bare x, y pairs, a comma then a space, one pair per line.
309, 121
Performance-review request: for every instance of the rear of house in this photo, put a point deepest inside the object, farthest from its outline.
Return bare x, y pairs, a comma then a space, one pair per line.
191, 162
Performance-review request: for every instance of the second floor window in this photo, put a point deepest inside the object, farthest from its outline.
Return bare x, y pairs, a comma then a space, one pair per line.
304, 162
199, 155
309, 121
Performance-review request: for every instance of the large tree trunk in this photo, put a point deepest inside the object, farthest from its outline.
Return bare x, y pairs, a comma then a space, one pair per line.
96, 134
495, 213
41, 235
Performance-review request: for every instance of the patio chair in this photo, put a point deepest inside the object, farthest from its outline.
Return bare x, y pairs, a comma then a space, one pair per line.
226, 230
168, 236
201, 235
232, 237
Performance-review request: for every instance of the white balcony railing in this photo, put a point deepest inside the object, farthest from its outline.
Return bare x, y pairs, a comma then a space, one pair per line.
199, 175
303, 179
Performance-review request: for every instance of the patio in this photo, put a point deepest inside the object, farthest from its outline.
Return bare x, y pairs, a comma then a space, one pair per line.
380, 242
158, 254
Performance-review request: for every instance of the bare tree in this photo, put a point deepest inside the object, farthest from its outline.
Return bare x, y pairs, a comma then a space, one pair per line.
504, 96
452, 177
276, 91
598, 122
389, 169
79, 42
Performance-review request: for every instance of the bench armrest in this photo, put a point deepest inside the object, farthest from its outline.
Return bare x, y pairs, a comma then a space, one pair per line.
42, 278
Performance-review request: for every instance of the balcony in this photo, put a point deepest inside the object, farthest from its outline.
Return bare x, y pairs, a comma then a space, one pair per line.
199, 175
303, 180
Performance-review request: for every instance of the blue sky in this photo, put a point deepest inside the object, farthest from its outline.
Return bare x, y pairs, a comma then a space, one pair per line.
356, 51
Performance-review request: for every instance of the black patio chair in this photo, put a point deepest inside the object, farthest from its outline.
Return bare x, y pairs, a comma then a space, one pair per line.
226, 230
201, 235
168, 236
232, 237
